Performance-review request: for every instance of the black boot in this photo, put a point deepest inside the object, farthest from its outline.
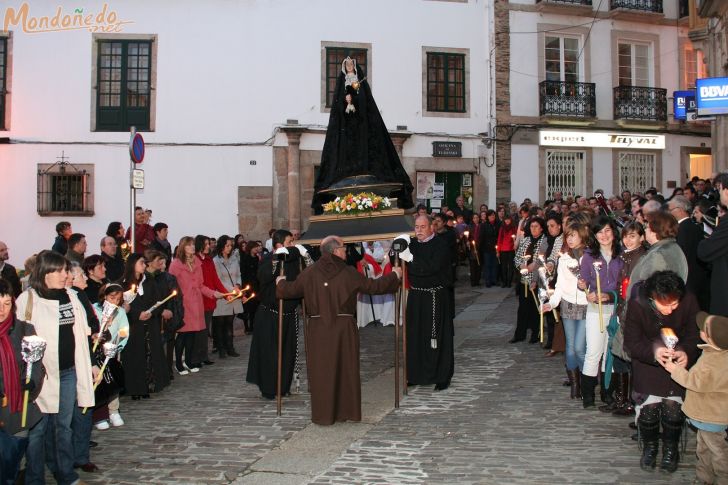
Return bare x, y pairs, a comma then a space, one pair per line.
622, 396
648, 425
572, 383
611, 394
672, 425
577, 383
229, 335
605, 392
588, 384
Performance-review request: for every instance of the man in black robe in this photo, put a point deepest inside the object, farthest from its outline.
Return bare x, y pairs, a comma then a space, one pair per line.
430, 330
357, 141
263, 360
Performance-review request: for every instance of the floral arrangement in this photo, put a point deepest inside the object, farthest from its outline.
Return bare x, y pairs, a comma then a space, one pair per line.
357, 204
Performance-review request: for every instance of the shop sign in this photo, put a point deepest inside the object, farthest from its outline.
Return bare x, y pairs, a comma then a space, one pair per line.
682, 103
633, 141
447, 149
712, 96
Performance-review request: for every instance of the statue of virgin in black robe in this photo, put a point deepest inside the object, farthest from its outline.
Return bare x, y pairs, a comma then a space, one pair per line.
357, 141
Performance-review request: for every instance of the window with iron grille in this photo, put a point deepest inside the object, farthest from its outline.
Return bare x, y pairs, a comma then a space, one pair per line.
124, 78
65, 189
334, 57
3, 78
565, 172
446, 82
636, 171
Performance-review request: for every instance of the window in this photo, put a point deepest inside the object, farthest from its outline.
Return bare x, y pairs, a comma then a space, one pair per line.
636, 171
334, 57
124, 85
446, 82
694, 67
562, 59
565, 172
65, 189
3, 79
634, 65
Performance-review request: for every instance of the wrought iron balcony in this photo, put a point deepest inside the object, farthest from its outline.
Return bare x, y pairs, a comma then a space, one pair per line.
654, 6
568, 99
640, 103
566, 2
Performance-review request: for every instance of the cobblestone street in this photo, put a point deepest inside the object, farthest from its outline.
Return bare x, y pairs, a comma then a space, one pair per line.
506, 419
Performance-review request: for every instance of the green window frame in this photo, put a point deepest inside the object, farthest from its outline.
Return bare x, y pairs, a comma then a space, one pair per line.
334, 57
3, 79
446, 82
124, 80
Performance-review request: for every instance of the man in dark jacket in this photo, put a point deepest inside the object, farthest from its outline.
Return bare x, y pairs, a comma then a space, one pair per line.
63, 232
689, 235
714, 250
114, 264
8, 271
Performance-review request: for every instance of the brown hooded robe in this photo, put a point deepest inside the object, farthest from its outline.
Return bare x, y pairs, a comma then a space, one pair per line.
329, 288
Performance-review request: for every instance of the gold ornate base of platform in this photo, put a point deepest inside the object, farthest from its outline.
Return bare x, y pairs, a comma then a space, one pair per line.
373, 226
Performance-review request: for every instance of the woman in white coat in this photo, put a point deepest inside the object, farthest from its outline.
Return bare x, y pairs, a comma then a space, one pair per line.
60, 319
227, 265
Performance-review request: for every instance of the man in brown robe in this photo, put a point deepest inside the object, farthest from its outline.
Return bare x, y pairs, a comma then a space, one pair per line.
329, 288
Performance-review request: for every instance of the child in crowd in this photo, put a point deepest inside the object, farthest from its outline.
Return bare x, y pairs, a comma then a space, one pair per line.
706, 400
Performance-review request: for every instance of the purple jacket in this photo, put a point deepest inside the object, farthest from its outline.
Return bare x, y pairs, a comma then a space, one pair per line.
608, 274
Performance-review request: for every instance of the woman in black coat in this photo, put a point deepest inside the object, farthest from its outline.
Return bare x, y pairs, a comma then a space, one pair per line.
144, 368
249, 260
662, 305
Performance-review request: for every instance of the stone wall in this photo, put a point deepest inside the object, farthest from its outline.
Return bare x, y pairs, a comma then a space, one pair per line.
255, 211
502, 101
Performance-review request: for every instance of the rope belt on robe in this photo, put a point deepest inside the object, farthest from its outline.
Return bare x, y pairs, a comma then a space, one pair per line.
433, 294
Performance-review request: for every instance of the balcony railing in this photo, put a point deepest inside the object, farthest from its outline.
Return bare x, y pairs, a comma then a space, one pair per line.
640, 103
568, 99
566, 2
643, 5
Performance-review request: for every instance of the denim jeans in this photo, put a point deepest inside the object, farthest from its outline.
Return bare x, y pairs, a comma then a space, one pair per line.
51, 439
81, 425
575, 332
490, 268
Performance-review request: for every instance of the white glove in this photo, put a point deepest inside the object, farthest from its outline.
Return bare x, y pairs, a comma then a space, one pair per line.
281, 250
406, 255
406, 237
302, 250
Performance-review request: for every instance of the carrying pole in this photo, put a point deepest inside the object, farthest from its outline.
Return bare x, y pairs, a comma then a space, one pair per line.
404, 326
397, 300
279, 397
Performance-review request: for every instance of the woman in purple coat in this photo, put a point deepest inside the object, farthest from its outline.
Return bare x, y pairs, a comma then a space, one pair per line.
602, 257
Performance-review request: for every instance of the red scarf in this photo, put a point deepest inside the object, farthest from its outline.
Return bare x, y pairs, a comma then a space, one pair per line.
370, 260
11, 373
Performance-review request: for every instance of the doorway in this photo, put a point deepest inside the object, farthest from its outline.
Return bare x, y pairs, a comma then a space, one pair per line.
436, 189
701, 165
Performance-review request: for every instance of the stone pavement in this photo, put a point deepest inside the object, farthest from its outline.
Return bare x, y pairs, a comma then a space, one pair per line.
506, 419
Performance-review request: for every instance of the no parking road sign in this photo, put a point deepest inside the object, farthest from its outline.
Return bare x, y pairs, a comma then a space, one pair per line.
136, 148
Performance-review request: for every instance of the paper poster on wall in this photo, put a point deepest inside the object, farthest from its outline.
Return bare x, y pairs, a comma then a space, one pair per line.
438, 191
425, 182
435, 203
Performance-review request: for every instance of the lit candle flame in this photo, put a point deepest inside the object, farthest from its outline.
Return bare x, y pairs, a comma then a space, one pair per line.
124, 332
669, 337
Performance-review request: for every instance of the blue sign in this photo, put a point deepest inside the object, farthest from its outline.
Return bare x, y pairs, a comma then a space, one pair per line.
683, 102
136, 148
712, 96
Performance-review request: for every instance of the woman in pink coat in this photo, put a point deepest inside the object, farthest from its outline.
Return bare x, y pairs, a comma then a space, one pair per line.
188, 271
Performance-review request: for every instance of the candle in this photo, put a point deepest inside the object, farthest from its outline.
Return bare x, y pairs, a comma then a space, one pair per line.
32, 349
475, 250
162, 302
540, 313
597, 266
669, 337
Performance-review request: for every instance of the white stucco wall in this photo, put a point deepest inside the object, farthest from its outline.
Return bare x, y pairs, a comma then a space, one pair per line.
227, 73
